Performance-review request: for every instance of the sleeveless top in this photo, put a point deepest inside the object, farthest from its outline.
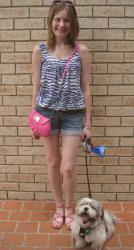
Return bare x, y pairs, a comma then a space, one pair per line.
57, 93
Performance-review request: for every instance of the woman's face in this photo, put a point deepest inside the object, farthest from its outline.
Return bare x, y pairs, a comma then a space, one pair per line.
61, 24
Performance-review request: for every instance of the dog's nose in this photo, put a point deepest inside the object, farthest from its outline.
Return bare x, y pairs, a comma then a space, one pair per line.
85, 209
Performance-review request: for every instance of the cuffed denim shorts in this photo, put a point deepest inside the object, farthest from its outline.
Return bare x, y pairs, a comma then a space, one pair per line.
70, 122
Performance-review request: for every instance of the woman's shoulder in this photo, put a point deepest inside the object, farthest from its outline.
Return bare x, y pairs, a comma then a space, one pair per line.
36, 49
83, 48
83, 51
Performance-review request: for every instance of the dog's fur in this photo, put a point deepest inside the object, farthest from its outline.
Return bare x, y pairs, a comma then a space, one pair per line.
98, 222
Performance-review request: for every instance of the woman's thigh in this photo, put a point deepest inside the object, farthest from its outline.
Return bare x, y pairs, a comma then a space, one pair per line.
70, 146
52, 148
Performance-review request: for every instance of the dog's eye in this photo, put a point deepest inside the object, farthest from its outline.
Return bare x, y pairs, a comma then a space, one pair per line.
92, 220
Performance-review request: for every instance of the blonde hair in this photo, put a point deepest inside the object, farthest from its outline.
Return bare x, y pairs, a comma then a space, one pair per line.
56, 7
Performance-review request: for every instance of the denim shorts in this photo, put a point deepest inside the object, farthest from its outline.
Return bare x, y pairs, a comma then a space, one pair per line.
68, 122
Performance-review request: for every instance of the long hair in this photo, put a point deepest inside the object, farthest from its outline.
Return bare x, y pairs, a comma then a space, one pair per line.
56, 7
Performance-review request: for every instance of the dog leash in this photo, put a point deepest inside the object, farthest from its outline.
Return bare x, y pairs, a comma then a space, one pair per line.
89, 189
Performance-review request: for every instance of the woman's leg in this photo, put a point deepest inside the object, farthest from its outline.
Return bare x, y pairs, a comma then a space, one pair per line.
53, 158
70, 145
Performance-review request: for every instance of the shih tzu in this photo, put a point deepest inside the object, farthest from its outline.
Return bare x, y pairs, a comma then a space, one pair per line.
92, 224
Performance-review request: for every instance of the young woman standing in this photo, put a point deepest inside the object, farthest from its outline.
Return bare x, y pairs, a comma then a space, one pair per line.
69, 98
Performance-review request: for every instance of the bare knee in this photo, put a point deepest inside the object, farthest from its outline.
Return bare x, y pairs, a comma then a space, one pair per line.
53, 162
68, 171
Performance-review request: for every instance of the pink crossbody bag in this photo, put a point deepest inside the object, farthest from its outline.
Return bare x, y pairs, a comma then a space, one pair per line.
40, 124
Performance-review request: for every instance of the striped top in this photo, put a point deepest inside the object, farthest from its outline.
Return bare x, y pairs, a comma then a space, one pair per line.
57, 93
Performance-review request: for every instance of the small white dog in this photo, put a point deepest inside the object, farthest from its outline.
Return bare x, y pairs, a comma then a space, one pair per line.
92, 224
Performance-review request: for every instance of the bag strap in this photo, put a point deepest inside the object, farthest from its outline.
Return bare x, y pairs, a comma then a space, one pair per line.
70, 58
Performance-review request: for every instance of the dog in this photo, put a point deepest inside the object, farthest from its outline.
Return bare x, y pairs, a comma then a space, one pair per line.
92, 224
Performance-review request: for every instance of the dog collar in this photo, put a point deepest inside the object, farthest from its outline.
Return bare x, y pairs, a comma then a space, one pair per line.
84, 231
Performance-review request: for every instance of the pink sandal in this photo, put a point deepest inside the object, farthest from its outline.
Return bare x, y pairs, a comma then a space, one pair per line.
57, 220
69, 219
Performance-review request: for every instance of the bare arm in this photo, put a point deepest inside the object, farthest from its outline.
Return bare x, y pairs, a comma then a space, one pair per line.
36, 62
85, 60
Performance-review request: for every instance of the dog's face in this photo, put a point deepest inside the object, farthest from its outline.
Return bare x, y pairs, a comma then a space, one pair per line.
89, 212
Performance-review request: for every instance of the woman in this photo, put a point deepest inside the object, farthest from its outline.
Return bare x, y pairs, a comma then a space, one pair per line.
69, 98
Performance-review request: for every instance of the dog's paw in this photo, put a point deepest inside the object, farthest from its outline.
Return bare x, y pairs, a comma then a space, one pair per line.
80, 244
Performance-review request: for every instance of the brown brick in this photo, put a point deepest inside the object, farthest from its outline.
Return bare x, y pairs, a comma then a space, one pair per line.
8, 131
97, 45
24, 69
125, 179
15, 100
20, 195
107, 79
119, 151
125, 197
7, 68
15, 35
16, 79
9, 168
29, 23
108, 57
107, 101
15, 121
118, 170
103, 179
13, 12
18, 141
126, 23
127, 141
31, 151
126, 161
128, 100
127, 121
118, 131
106, 121
104, 161
6, 46
26, 2
108, 11
35, 169
128, 79
32, 187
39, 35
5, 3
19, 160
8, 150
109, 34
129, 34
84, 11
119, 111
120, 188
7, 110
15, 57
87, 23
85, 34
99, 90
20, 177
8, 186
92, 2
25, 46
6, 24
24, 91
120, 2
6, 90
120, 46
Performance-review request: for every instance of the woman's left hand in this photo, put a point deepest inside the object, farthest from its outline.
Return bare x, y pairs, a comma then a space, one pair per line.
86, 133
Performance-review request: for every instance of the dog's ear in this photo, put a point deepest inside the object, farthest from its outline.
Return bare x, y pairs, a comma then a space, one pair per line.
98, 207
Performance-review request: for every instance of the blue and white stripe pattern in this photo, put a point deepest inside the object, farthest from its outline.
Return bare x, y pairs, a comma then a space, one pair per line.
57, 93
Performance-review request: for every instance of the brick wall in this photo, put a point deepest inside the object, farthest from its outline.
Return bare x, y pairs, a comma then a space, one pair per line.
107, 28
